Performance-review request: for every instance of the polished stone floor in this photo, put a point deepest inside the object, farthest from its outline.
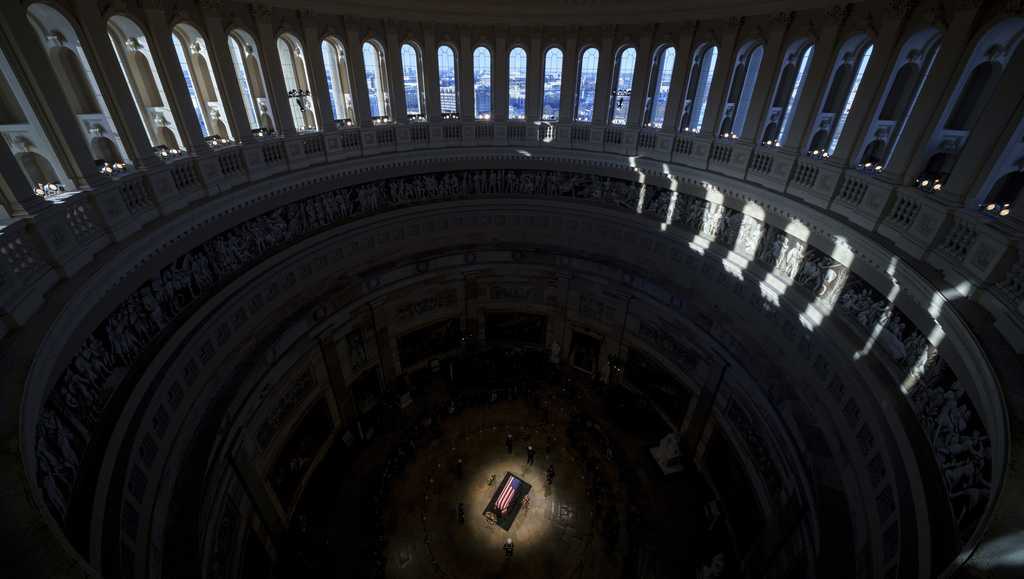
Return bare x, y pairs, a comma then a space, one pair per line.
390, 509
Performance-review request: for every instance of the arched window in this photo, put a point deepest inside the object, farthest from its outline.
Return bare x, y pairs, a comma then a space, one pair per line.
448, 80
193, 58
482, 83
974, 89
661, 83
376, 81
21, 129
847, 73
788, 89
66, 54
296, 82
249, 74
586, 85
339, 80
625, 67
517, 84
702, 73
136, 60
552, 84
741, 89
913, 63
412, 81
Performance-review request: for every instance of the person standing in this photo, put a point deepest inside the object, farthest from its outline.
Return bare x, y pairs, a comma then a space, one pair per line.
530, 453
551, 473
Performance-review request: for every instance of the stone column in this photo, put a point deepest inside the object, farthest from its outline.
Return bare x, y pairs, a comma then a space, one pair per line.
911, 155
224, 69
641, 80
110, 78
720, 81
535, 77
869, 94
430, 82
360, 99
276, 90
771, 63
396, 76
994, 127
61, 126
316, 71
465, 64
570, 68
605, 67
499, 76
814, 86
684, 54
174, 80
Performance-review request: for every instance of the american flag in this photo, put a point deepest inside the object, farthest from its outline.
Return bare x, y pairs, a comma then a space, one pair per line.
508, 492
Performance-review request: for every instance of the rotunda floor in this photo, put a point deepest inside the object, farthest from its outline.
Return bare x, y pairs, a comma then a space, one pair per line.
390, 509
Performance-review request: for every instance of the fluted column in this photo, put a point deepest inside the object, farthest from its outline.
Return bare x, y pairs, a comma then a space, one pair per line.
641, 81
360, 99
911, 152
720, 82
814, 85
430, 83
224, 71
676, 92
774, 51
992, 129
869, 92
395, 74
499, 76
113, 85
60, 124
276, 89
605, 66
570, 68
315, 71
174, 80
535, 77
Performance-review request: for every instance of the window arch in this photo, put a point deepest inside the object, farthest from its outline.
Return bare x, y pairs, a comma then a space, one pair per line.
482, 83
973, 91
296, 82
448, 80
339, 80
193, 58
586, 85
517, 84
68, 58
25, 135
788, 88
660, 84
375, 69
912, 65
741, 88
702, 73
625, 67
136, 59
249, 75
847, 73
552, 84
412, 80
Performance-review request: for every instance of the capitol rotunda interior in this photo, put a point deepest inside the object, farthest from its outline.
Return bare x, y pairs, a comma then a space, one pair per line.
574, 289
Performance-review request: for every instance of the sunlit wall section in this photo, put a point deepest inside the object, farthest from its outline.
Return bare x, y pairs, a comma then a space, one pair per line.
194, 60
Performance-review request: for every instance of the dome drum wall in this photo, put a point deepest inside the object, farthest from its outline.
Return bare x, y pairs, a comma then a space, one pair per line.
483, 178
855, 267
